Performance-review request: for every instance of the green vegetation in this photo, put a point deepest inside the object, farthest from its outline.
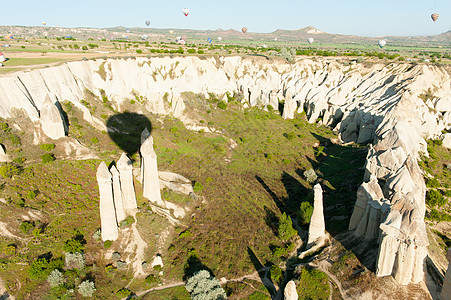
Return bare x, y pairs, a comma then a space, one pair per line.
47, 147
313, 284
305, 213
47, 157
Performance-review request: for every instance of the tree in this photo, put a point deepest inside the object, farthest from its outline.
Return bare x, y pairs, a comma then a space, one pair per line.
203, 286
55, 278
86, 288
286, 231
75, 261
305, 213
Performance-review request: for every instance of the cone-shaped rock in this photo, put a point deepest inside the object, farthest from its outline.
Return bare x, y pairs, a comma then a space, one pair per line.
290, 292
446, 289
108, 221
317, 226
117, 192
125, 168
51, 120
149, 170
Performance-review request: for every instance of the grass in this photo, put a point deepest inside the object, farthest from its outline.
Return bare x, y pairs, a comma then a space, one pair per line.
32, 61
176, 293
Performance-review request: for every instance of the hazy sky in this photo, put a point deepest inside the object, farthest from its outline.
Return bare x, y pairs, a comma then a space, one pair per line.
367, 18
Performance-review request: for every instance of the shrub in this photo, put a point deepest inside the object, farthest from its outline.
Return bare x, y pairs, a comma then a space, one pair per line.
48, 157
94, 140
310, 176
434, 198
286, 231
198, 187
96, 235
55, 278
26, 226
31, 195
313, 284
191, 51
139, 51
47, 147
9, 170
84, 48
123, 293
305, 213
86, 288
290, 135
152, 279
41, 268
107, 244
275, 273
74, 261
127, 222
222, 105
202, 285
121, 264
75, 244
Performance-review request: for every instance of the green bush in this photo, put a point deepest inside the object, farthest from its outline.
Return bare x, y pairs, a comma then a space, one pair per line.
275, 274
48, 157
94, 140
74, 245
310, 176
152, 279
198, 187
202, 285
55, 278
8, 170
41, 268
290, 135
47, 147
435, 198
107, 244
31, 195
313, 284
305, 213
127, 222
139, 51
26, 226
123, 293
286, 231
191, 51
222, 105
86, 288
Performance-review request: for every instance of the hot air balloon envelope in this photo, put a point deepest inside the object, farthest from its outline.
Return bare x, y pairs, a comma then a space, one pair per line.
219, 38
244, 29
171, 31
44, 23
382, 43
185, 11
147, 22
310, 40
2, 57
145, 36
434, 17
128, 30
210, 40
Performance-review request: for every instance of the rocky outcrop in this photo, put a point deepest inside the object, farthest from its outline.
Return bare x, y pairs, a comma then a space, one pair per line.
125, 168
51, 119
108, 221
290, 292
317, 226
117, 194
446, 288
149, 171
175, 182
3, 156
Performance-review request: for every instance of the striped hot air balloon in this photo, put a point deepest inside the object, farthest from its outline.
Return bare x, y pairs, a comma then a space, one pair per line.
185, 11
434, 17
244, 29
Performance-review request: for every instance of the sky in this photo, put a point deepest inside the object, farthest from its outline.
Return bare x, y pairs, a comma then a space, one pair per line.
364, 18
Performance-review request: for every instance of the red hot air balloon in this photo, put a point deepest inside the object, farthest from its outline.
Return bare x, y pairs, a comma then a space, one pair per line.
185, 11
434, 17
244, 29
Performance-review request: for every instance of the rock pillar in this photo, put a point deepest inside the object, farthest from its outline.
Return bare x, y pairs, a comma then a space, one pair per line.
107, 211
149, 171
125, 168
117, 193
317, 226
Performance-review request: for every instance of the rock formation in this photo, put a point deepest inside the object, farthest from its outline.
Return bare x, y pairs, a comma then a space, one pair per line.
117, 193
51, 119
446, 288
175, 182
150, 181
108, 221
290, 292
125, 168
3, 156
317, 226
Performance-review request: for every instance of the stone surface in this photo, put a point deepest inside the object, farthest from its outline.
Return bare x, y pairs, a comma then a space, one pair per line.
51, 119
317, 226
175, 182
3, 156
157, 261
151, 183
125, 168
290, 292
117, 193
108, 223
446, 141
445, 294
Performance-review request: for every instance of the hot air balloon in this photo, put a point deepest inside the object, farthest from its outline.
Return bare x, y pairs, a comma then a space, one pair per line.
244, 29
382, 43
219, 38
44, 23
2, 57
171, 31
145, 36
178, 39
147, 23
434, 17
275, 39
128, 30
210, 40
310, 40
185, 11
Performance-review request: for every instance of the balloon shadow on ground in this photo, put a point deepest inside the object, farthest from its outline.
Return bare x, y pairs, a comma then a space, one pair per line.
125, 130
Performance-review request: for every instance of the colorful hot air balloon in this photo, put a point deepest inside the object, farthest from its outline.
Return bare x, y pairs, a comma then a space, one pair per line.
147, 23
128, 30
185, 11
219, 38
44, 23
210, 40
434, 17
145, 36
310, 40
244, 29
382, 43
171, 31
2, 57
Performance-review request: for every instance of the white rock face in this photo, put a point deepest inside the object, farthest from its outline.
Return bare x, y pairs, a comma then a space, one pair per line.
446, 288
125, 168
107, 211
157, 261
149, 167
52, 122
117, 193
175, 182
290, 292
317, 225
446, 141
3, 156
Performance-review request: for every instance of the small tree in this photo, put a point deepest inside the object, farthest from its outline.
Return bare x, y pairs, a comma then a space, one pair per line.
86, 288
286, 231
55, 278
202, 285
75, 261
310, 176
305, 213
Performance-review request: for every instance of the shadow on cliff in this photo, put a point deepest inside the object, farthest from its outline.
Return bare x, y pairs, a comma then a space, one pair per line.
193, 265
262, 272
125, 130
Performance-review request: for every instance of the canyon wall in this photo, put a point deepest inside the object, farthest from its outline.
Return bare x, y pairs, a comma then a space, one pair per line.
393, 106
